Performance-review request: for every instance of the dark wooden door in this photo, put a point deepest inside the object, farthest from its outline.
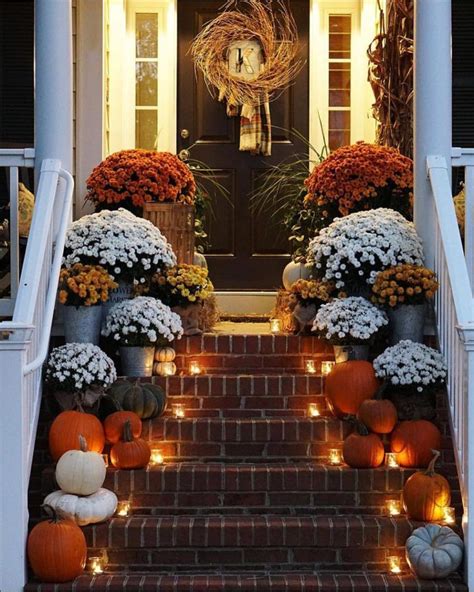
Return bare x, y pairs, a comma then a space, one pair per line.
247, 252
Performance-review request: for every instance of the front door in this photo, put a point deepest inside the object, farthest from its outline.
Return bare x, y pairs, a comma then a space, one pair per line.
247, 252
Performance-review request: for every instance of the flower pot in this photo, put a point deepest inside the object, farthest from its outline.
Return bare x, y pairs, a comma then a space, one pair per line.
123, 292
343, 353
414, 405
82, 324
294, 272
190, 317
407, 322
137, 361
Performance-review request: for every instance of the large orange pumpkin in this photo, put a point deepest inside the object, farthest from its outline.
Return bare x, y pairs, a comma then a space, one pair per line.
379, 415
130, 453
349, 384
413, 442
66, 429
426, 494
113, 425
363, 450
57, 549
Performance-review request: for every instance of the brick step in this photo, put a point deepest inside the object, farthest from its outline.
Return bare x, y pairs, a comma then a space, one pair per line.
247, 363
253, 582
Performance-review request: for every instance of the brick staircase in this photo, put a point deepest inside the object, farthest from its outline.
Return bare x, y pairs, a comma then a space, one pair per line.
246, 500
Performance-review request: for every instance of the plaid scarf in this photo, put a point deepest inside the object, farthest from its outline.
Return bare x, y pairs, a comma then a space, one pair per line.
256, 129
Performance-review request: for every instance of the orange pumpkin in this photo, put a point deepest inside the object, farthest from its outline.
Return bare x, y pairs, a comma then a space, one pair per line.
413, 442
113, 425
66, 429
349, 384
57, 549
363, 450
426, 494
130, 453
379, 415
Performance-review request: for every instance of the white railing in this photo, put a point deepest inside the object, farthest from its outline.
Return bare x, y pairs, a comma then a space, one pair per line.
23, 349
455, 321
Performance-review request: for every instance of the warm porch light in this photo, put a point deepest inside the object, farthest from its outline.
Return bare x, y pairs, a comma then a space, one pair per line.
394, 564
167, 369
105, 457
178, 410
449, 515
394, 507
123, 508
335, 456
275, 326
156, 457
326, 367
391, 460
194, 367
310, 366
313, 410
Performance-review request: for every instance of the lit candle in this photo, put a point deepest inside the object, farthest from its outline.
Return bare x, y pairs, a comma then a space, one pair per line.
394, 564
105, 458
449, 515
326, 367
275, 326
123, 508
391, 460
335, 456
310, 367
156, 457
313, 410
167, 368
194, 367
394, 507
178, 410
96, 565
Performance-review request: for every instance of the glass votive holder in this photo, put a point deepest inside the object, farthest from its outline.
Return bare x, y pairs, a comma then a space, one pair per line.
310, 366
335, 456
391, 460
167, 368
394, 507
194, 368
124, 508
156, 457
394, 564
313, 410
326, 367
97, 563
275, 326
178, 410
449, 515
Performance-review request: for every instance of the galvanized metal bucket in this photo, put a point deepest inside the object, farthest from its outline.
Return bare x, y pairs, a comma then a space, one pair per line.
82, 324
407, 322
343, 353
137, 361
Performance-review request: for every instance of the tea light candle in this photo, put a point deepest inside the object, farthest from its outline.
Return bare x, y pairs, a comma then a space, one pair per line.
105, 458
394, 564
156, 457
394, 507
326, 367
167, 369
123, 508
313, 410
335, 456
310, 367
449, 515
96, 565
275, 326
391, 460
194, 367
178, 410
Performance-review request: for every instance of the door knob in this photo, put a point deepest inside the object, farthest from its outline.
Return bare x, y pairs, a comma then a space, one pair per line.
185, 134
184, 155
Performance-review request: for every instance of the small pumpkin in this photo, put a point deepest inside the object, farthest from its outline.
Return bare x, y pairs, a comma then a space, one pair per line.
80, 471
91, 509
113, 425
57, 549
165, 354
143, 398
434, 551
379, 415
164, 369
426, 494
66, 429
130, 453
349, 384
363, 450
413, 442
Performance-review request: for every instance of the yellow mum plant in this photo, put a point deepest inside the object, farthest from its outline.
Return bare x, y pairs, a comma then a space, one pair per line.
404, 284
84, 285
309, 291
182, 285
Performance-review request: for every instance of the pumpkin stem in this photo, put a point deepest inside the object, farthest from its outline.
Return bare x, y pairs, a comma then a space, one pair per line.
359, 427
82, 443
127, 432
51, 513
430, 471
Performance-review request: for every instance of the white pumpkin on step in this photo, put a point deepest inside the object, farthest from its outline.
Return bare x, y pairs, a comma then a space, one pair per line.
434, 551
80, 471
165, 354
89, 509
293, 272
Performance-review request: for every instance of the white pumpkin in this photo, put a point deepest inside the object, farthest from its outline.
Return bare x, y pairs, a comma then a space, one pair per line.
434, 551
293, 272
90, 509
80, 471
165, 354
200, 260
164, 369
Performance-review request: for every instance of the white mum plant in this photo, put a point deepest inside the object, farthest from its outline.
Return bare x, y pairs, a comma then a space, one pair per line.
142, 321
411, 364
352, 250
345, 321
129, 247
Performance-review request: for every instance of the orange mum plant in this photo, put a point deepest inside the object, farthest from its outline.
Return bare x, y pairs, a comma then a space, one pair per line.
404, 284
361, 177
84, 285
131, 178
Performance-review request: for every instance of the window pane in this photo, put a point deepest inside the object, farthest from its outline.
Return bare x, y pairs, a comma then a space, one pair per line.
340, 23
340, 29
340, 120
146, 125
339, 98
146, 33
338, 139
146, 86
339, 79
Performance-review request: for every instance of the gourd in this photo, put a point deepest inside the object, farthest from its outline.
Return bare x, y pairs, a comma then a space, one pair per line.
165, 354
379, 415
130, 453
413, 442
294, 272
164, 368
349, 384
57, 549
434, 551
426, 494
143, 398
80, 471
66, 429
113, 425
91, 509
363, 450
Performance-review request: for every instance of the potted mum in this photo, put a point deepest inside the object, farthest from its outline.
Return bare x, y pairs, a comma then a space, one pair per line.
184, 288
353, 250
411, 372
349, 325
306, 296
82, 290
405, 290
137, 326
78, 374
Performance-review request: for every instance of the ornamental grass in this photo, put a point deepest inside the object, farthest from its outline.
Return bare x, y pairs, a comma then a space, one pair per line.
84, 285
404, 284
132, 178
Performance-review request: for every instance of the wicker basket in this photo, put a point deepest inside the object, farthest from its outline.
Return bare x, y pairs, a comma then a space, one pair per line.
176, 222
